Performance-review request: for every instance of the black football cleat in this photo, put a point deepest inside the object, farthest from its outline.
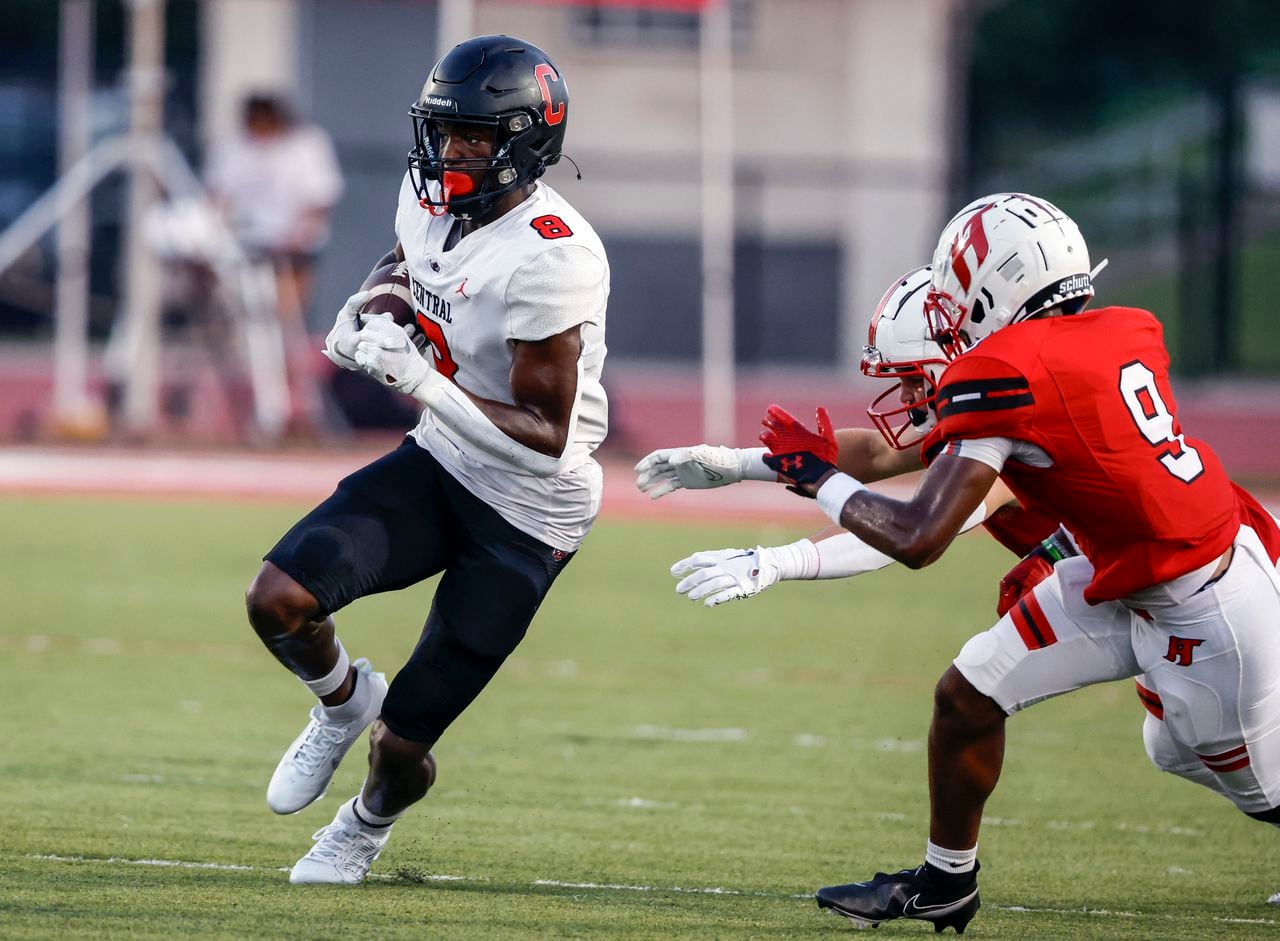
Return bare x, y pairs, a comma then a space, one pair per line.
911, 893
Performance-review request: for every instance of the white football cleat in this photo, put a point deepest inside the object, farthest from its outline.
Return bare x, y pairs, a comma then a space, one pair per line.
343, 853
304, 773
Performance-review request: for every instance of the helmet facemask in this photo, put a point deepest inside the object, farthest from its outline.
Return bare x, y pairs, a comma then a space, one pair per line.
902, 425
459, 193
901, 346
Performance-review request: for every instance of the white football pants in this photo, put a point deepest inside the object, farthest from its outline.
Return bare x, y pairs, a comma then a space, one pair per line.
1208, 655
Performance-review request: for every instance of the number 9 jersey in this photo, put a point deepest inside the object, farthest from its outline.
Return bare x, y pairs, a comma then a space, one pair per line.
1091, 391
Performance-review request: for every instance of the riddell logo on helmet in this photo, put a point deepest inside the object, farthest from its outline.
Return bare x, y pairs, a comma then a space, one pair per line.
1077, 282
435, 101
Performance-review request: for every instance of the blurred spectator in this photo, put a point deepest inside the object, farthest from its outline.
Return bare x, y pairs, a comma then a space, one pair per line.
276, 182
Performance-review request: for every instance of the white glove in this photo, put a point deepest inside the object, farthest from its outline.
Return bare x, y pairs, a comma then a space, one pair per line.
386, 353
340, 344
715, 576
700, 467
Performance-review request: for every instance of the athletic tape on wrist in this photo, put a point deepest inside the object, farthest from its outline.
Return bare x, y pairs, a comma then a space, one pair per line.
796, 560
833, 495
751, 460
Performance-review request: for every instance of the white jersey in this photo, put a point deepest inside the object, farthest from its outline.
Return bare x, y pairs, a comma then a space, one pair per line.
535, 272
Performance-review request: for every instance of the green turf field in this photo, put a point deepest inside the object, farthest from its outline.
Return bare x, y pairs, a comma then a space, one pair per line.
643, 768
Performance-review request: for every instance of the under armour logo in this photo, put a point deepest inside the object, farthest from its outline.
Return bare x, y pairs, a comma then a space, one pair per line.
1181, 649
789, 464
461, 286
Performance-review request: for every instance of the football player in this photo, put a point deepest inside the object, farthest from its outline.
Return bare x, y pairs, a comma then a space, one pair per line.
1176, 580
495, 487
899, 348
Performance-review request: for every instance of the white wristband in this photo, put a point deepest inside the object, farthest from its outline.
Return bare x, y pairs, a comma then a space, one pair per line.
833, 495
751, 461
794, 560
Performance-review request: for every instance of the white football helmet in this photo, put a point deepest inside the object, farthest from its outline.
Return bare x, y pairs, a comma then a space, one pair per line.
900, 345
1003, 259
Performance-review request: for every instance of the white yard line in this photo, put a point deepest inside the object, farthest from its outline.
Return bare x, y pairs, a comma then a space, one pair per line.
607, 887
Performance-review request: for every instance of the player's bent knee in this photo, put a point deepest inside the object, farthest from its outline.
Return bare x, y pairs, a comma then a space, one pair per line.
956, 700
1162, 750
277, 604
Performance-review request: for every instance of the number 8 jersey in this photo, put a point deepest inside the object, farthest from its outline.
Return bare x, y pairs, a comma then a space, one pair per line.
1090, 394
534, 272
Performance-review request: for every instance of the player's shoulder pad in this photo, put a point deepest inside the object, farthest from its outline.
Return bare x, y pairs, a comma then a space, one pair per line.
406, 201
1135, 318
555, 222
561, 287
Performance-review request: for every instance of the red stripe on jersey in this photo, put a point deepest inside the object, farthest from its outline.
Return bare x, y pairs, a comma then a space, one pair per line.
1032, 626
1038, 617
1024, 631
1223, 756
1150, 700
1236, 765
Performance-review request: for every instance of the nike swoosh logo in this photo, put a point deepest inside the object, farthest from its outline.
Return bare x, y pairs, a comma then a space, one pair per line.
914, 910
710, 474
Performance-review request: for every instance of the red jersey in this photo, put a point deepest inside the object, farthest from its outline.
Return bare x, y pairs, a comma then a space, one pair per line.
1145, 503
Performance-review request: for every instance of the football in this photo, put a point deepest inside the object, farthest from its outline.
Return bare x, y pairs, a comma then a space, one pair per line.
393, 294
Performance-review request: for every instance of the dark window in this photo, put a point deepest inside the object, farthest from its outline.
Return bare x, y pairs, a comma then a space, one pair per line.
612, 25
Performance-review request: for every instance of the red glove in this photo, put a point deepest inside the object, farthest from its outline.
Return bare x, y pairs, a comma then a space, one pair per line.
796, 453
1032, 569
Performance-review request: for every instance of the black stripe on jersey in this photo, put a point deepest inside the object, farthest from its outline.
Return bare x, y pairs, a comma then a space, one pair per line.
983, 395
969, 386
984, 404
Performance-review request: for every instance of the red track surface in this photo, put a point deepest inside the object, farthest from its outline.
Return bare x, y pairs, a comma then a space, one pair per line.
307, 477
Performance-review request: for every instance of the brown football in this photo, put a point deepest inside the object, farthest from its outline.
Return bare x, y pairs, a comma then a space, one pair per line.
392, 294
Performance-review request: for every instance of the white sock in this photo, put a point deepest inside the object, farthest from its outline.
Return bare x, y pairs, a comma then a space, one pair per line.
369, 818
953, 861
356, 703
326, 684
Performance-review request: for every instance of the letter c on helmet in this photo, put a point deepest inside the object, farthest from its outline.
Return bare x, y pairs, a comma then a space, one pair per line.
542, 72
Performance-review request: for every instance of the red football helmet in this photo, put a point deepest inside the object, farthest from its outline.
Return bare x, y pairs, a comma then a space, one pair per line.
900, 346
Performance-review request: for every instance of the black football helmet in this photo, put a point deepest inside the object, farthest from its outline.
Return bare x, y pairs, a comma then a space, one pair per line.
497, 81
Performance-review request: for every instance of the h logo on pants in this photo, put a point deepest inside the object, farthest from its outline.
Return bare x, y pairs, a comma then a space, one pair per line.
1180, 650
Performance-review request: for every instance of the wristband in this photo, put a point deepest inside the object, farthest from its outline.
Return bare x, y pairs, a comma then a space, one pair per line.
1060, 545
833, 495
796, 560
751, 462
